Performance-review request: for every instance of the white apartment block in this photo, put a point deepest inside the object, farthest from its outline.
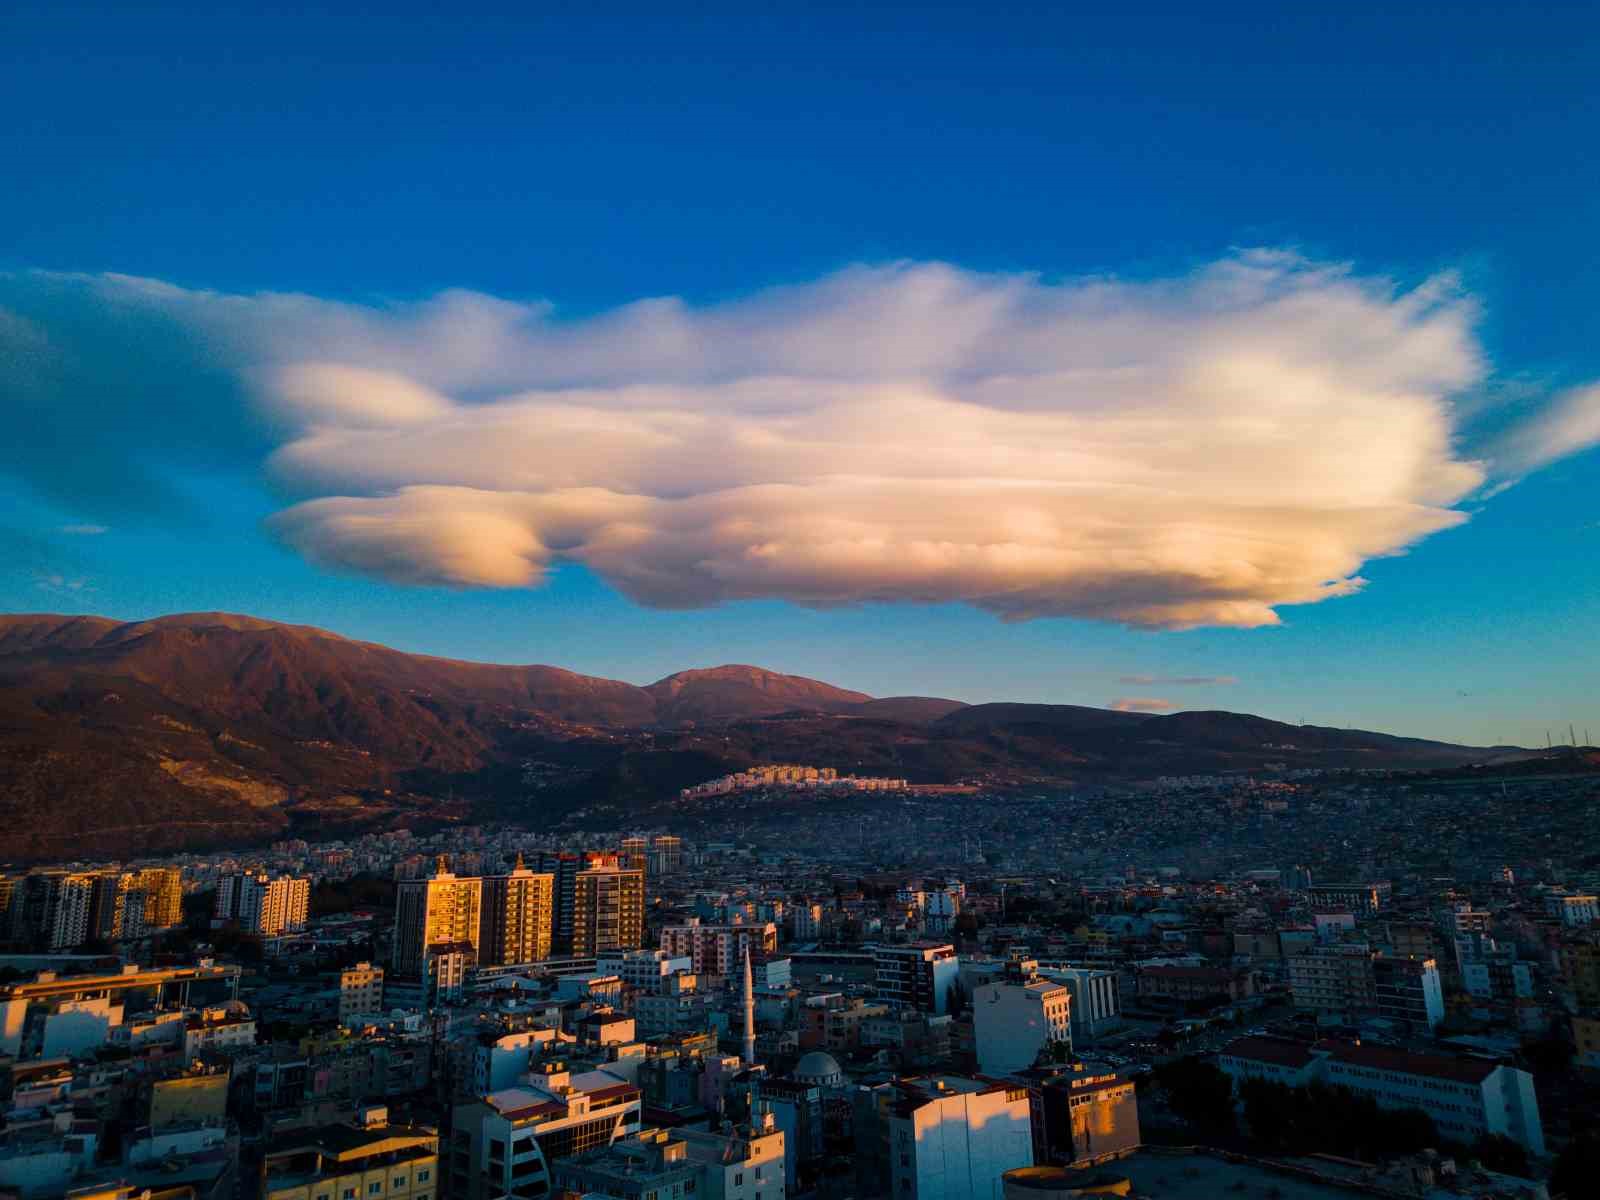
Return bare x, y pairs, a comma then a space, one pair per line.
645, 971
952, 1138
1014, 1022
1466, 1098
1096, 997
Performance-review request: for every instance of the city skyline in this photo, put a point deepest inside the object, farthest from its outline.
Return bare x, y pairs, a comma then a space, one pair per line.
920, 374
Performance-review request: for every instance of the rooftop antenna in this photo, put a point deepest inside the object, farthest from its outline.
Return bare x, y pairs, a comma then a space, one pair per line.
1571, 733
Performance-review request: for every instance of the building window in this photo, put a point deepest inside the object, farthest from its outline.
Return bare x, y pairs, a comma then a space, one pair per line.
375, 1189
422, 1175
738, 1179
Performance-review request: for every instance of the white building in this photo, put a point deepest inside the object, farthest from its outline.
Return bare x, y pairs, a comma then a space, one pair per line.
503, 1144
263, 904
952, 1138
1096, 996
746, 1163
1014, 1021
1467, 1098
645, 971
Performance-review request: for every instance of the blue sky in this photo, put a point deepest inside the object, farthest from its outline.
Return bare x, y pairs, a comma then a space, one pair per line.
377, 158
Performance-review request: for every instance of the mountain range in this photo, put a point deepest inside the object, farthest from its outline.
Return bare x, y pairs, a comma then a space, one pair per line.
212, 728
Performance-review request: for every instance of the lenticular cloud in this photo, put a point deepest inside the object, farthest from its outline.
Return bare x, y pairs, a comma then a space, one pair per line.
1164, 453
1177, 453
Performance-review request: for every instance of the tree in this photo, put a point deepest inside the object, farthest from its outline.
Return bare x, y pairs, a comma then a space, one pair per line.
1497, 1152
1577, 1167
1200, 1093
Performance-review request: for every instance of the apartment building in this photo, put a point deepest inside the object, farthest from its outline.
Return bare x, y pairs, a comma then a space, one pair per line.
719, 949
1467, 1098
951, 1137
920, 975
1364, 899
441, 910
368, 1160
504, 1145
1573, 911
360, 991
518, 911
1017, 1019
607, 908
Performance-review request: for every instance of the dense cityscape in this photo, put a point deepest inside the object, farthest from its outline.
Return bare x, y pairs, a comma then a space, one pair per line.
1193, 988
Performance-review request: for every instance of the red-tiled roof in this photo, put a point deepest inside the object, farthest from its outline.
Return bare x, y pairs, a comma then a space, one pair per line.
1434, 1066
1280, 1052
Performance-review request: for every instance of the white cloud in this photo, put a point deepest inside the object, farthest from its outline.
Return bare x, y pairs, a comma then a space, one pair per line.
1569, 424
86, 530
1179, 680
1168, 453
1141, 704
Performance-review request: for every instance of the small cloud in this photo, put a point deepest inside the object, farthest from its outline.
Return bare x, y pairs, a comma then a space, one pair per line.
85, 530
1142, 704
1179, 680
62, 585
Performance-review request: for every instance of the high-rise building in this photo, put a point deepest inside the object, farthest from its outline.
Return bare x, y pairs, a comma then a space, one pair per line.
442, 910
564, 868
163, 889
107, 905
607, 909
262, 904
634, 852
666, 854
517, 910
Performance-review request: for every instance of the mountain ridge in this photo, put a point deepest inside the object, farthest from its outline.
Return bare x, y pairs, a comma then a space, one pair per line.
204, 728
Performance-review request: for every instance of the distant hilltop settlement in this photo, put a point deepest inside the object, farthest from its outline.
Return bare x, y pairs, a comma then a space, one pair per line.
788, 775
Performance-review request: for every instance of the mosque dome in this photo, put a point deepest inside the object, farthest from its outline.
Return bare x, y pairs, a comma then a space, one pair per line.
819, 1068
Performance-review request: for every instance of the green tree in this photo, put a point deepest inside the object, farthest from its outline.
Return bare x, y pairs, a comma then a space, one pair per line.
1200, 1093
1577, 1168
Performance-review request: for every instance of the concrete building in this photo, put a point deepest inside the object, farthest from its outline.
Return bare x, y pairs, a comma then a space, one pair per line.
27, 1010
645, 972
516, 924
1333, 979
1018, 1019
607, 909
1086, 1117
1364, 899
505, 1144
360, 992
1467, 1098
1095, 995
270, 906
441, 910
920, 975
368, 1160
747, 1162
719, 949
1408, 990
952, 1137
1575, 912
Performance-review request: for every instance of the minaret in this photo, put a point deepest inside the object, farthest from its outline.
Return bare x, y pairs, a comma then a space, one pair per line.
749, 1055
